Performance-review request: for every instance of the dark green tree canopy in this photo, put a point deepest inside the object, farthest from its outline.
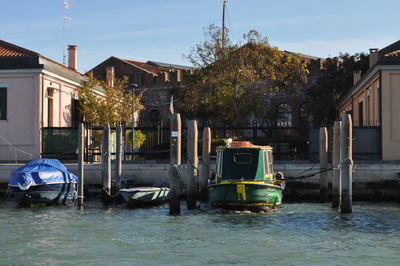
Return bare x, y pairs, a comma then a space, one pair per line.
335, 79
232, 82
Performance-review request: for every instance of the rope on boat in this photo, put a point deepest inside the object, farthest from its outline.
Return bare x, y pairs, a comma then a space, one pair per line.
323, 170
8, 194
192, 164
109, 195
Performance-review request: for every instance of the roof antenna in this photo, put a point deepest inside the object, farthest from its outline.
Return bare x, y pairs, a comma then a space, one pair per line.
66, 6
223, 25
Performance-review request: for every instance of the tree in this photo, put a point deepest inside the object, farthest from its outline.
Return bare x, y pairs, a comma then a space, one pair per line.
233, 82
101, 104
334, 81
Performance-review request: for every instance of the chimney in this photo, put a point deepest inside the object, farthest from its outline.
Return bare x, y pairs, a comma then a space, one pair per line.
357, 76
373, 56
110, 76
72, 56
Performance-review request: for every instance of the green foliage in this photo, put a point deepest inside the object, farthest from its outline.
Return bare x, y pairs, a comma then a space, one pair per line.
101, 103
333, 82
233, 82
138, 139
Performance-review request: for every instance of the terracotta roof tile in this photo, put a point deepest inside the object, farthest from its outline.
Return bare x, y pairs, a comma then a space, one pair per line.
148, 67
11, 50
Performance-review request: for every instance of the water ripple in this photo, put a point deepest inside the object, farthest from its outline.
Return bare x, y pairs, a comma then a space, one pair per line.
296, 234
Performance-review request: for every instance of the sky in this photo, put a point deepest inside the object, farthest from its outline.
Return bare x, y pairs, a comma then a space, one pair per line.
165, 30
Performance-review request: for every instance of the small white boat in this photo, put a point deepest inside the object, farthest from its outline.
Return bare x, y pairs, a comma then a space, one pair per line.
145, 195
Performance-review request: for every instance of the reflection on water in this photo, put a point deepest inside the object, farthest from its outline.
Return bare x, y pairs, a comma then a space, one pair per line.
295, 234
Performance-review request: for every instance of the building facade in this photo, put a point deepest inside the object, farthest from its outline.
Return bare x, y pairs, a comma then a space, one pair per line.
291, 103
35, 92
155, 78
372, 101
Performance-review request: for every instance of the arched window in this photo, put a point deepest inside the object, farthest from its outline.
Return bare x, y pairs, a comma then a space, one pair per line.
304, 114
285, 115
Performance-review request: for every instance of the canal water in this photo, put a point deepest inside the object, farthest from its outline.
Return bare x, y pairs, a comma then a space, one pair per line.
296, 234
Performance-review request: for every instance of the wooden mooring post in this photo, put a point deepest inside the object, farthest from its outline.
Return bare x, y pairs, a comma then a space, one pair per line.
336, 159
175, 145
323, 164
81, 147
347, 164
191, 164
175, 177
205, 166
118, 159
106, 160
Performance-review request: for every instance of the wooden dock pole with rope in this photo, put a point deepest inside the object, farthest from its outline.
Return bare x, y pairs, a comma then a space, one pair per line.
118, 161
175, 177
347, 164
191, 164
323, 164
175, 180
106, 160
336, 159
205, 165
81, 145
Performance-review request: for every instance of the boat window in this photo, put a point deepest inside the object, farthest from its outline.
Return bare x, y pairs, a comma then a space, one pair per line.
270, 162
219, 162
242, 163
243, 158
266, 168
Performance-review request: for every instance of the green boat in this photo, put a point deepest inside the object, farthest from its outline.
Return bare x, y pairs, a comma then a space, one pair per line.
244, 178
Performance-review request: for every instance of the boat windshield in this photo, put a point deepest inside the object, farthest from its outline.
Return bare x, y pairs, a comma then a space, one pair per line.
242, 163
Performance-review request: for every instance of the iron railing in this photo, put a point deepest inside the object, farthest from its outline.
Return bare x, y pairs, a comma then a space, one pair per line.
289, 143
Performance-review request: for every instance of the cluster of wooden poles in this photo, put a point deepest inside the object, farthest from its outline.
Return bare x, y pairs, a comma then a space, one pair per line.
342, 164
105, 161
196, 175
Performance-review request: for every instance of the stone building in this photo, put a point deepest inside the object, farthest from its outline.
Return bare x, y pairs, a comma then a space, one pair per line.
291, 102
156, 78
373, 100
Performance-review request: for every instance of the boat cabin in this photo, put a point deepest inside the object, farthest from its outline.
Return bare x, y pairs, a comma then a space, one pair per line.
243, 161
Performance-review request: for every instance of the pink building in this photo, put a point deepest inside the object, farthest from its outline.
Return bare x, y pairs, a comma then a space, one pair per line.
35, 92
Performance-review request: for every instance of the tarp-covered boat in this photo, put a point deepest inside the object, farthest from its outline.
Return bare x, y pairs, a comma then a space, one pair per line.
43, 181
245, 179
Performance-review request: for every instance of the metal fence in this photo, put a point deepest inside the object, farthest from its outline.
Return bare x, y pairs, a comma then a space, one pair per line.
60, 143
289, 143
366, 143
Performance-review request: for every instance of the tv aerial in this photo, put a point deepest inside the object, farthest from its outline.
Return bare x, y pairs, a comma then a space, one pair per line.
66, 6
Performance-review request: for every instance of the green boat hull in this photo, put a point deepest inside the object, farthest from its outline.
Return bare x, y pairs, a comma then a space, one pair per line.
245, 195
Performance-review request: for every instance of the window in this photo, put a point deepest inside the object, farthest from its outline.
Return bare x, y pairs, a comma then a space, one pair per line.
50, 93
369, 111
243, 158
304, 113
360, 114
75, 113
3, 103
285, 115
270, 162
266, 167
219, 163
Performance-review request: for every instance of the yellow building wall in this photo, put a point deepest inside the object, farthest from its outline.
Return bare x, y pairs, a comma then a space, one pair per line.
390, 114
368, 95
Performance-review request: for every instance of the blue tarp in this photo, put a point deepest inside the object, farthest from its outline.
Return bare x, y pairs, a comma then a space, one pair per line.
41, 171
